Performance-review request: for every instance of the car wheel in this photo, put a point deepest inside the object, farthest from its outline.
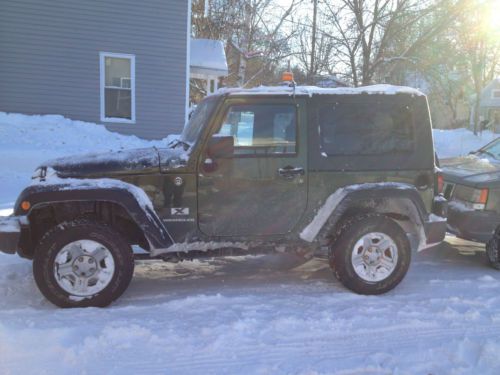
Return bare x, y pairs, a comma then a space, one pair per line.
83, 263
493, 249
371, 254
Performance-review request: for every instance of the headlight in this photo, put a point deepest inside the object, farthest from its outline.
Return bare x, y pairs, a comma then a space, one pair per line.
476, 198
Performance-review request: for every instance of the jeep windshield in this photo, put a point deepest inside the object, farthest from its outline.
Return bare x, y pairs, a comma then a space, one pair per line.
492, 150
197, 121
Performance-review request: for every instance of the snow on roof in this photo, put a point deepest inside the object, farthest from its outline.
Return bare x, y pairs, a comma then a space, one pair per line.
208, 57
313, 90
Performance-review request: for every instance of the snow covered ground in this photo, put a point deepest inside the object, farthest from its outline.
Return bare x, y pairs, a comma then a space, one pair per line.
257, 315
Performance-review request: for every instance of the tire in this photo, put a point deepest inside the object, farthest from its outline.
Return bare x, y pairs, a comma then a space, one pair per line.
357, 260
89, 278
493, 250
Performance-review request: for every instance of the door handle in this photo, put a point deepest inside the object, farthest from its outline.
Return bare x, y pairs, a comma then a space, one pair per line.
290, 172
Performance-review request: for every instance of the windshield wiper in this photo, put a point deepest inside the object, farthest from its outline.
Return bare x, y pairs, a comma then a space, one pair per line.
177, 142
487, 153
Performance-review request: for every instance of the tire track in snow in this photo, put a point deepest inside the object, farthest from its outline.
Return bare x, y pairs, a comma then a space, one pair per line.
399, 339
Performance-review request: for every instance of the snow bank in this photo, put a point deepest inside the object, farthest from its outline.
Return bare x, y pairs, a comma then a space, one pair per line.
457, 142
27, 141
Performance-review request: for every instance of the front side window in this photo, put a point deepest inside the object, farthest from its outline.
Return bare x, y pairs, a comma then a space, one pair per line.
370, 128
117, 87
261, 128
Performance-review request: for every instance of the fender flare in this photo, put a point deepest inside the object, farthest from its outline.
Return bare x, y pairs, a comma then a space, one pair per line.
338, 203
132, 198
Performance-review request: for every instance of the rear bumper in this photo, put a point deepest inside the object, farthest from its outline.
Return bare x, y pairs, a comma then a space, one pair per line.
10, 233
471, 224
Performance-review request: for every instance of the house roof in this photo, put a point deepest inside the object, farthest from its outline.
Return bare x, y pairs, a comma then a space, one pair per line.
208, 57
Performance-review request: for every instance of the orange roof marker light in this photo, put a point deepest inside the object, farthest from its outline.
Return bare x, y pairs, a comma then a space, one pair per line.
287, 77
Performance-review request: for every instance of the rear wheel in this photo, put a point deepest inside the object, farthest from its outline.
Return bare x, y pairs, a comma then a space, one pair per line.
83, 263
371, 254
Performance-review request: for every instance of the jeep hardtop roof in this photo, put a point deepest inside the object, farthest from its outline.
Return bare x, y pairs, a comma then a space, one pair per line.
313, 90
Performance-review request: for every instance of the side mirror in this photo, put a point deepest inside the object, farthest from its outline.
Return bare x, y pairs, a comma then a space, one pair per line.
221, 146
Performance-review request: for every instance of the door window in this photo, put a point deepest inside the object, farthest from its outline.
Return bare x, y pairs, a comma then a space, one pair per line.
261, 129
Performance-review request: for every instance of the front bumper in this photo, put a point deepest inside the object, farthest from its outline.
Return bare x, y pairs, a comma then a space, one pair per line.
471, 224
10, 233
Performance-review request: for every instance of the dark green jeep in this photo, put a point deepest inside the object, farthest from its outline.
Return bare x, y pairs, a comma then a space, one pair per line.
348, 172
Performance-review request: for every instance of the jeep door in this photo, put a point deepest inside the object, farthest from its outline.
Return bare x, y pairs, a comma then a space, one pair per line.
260, 188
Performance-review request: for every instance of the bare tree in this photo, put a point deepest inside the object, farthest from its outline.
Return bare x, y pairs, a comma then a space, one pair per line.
372, 39
250, 28
482, 49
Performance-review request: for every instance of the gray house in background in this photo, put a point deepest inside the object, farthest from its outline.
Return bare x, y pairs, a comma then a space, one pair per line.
490, 101
121, 63
489, 107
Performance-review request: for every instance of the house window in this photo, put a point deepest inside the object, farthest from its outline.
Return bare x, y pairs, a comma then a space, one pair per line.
495, 94
117, 73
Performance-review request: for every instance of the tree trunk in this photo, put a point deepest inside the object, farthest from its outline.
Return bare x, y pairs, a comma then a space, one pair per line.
477, 104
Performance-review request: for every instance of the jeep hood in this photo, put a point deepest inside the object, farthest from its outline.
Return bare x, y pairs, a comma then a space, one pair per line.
116, 163
471, 170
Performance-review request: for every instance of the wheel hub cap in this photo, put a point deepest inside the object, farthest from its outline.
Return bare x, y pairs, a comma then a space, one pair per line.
84, 268
374, 257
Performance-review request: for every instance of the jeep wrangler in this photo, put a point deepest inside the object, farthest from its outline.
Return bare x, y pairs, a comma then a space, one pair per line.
347, 172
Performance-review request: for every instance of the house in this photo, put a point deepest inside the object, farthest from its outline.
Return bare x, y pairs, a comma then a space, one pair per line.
121, 63
329, 81
489, 106
208, 65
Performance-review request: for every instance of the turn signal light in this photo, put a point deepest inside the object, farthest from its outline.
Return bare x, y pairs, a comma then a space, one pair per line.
483, 196
25, 205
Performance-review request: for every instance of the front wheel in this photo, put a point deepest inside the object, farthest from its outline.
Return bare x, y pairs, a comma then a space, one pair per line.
371, 254
83, 263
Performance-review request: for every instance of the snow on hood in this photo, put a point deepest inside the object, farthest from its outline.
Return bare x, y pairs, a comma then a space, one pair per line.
471, 169
116, 162
122, 161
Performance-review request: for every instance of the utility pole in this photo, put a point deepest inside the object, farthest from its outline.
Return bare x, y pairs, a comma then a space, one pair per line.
313, 42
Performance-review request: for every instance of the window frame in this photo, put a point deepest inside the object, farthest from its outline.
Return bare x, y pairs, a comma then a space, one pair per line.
493, 92
102, 85
225, 112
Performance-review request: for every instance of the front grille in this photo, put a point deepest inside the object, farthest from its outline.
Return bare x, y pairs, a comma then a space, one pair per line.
448, 189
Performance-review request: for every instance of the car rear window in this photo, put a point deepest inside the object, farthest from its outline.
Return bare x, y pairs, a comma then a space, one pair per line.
371, 127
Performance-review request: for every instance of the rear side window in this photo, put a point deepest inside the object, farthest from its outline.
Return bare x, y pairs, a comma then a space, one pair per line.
370, 127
